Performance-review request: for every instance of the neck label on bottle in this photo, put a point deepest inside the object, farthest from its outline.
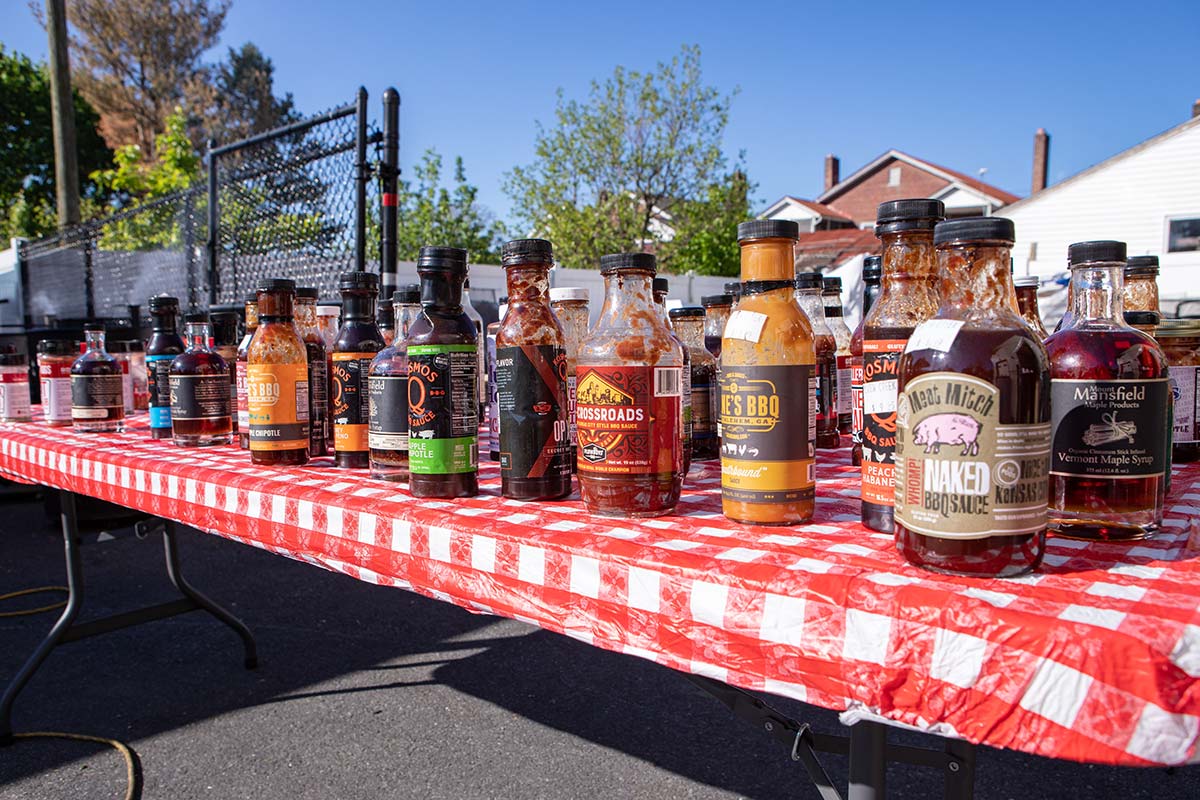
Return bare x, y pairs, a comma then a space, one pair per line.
1109, 429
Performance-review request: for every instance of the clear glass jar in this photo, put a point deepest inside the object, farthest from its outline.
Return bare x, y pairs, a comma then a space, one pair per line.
15, 404
688, 323
570, 305
97, 398
1180, 343
1140, 292
55, 357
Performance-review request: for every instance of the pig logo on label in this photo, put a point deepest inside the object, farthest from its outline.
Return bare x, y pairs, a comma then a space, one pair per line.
949, 429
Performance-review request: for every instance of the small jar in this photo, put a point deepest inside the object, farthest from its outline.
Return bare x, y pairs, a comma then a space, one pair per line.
14, 386
1140, 292
55, 357
1180, 343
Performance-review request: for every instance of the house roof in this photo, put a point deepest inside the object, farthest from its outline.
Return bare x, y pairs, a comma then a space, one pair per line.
1137, 148
994, 192
824, 211
834, 247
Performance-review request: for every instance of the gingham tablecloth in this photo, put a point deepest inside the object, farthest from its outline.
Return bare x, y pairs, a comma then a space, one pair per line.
1096, 657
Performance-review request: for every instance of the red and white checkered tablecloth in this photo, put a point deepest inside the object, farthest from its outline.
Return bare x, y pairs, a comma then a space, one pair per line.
1096, 657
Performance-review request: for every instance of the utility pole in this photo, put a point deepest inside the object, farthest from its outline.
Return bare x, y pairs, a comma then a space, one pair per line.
62, 112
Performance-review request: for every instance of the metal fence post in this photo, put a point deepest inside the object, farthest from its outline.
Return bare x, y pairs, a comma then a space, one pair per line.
389, 175
189, 245
23, 276
213, 238
362, 171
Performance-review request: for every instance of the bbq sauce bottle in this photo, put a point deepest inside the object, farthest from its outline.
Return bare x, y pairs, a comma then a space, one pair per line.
443, 387
305, 313
277, 380
973, 417
531, 380
1110, 394
872, 273
388, 390
768, 391
242, 406
356, 345
688, 323
1027, 303
200, 414
660, 287
165, 343
909, 297
808, 297
831, 295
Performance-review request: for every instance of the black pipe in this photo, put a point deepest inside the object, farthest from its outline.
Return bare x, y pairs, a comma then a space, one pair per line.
360, 183
389, 175
213, 239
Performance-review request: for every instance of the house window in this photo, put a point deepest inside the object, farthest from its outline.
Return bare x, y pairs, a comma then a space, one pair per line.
1183, 234
894, 176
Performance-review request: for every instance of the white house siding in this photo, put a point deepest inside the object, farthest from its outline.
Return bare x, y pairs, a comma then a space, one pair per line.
1128, 198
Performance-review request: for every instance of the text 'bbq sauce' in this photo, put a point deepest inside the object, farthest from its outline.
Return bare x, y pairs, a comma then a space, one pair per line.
388, 392
200, 414
688, 323
909, 297
872, 273
309, 326
831, 295
165, 343
443, 387
277, 380
1110, 394
242, 406
973, 418
355, 347
808, 297
767, 396
629, 398
1027, 303
570, 305
97, 395
531, 380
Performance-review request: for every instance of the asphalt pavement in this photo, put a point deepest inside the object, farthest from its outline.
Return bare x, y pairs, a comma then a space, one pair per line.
371, 692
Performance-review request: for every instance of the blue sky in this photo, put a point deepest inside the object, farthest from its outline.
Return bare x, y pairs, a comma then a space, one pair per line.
963, 85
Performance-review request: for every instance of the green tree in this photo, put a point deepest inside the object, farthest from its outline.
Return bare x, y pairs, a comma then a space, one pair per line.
431, 214
642, 145
27, 148
705, 240
239, 99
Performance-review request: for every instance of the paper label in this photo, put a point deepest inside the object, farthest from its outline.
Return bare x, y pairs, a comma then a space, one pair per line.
881, 361
388, 414
277, 402
745, 325
629, 420
531, 388
349, 405
200, 397
1183, 389
934, 334
1109, 429
443, 409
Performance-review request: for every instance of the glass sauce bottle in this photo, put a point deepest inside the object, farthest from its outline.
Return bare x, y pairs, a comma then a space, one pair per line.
226, 321
309, 326
388, 392
688, 323
531, 380
1027, 302
480, 339
385, 318
357, 343
1109, 392
831, 294
570, 305
808, 297
97, 397
1180, 344
973, 418
200, 413
717, 308
767, 394
443, 398
909, 297
492, 417
243, 407
872, 273
165, 343
277, 380
629, 391
660, 287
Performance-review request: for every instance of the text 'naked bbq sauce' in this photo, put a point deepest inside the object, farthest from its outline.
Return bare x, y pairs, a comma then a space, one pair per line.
531, 380
660, 287
909, 297
277, 380
165, 343
356, 345
242, 406
973, 417
309, 327
768, 410
808, 297
388, 392
200, 414
872, 274
1109, 395
831, 295
629, 398
443, 388
688, 323
97, 394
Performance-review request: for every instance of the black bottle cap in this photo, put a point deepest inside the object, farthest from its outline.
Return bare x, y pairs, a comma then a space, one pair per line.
277, 285
734, 289
163, 302
57, 347
660, 285
195, 316
252, 298
445, 259
710, 300
503, 300
1142, 318
1101, 252
975, 229
526, 251
358, 281
831, 285
808, 280
872, 269
686, 311
621, 262
408, 295
95, 325
908, 215
1142, 265
768, 229
385, 312
308, 292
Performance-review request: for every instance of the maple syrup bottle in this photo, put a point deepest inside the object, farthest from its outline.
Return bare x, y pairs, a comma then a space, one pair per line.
1110, 390
200, 414
165, 343
357, 343
973, 417
872, 274
97, 394
909, 297
808, 296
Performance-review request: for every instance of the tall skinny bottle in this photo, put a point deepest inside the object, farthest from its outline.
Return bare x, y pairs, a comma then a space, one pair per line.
871, 275
768, 389
357, 343
388, 391
531, 380
831, 295
165, 343
808, 296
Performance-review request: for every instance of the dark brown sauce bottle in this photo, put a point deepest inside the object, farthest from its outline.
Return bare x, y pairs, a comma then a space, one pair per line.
355, 347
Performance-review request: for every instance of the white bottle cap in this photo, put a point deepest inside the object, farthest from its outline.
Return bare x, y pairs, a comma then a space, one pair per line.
563, 293
329, 311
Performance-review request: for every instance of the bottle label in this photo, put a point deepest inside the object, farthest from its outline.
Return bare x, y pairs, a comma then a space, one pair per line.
629, 420
243, 407
768, 433
443, 410
56, 393
95, 396
349, 404
318, 402
881, 361
158, 378
844, 392
856, 399
572, 430
1109, 429
1183, 389
826, 382
14, 393
704, 404
388, 426
277, 402
532, 394
959, 473
199, 397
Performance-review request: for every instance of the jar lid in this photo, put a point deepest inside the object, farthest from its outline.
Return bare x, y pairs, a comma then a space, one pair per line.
445, 259
526, 251
686, 312
908, 215
409, 295
808, 280
1025, 281
1141, 265
277, 285
622, 262
359, 280
565, 294
1142, 318
833, 284
1178, 327
57, 347
1099, 252
660, 285
975, 229
329, 310
163, 302
733, 289
195, 317
710, 300
872, 269
307, 293
768, 229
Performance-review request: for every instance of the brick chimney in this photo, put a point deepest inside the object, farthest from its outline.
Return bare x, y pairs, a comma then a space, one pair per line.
1041, 159
1196, 109
833, 171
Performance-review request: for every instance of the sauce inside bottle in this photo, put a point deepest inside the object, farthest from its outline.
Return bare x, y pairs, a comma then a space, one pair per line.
355, 347
97, 394
1027, 303
808, 296
277, 380
717, 308
570, 305
1180, 343
308, 324
872, 274
688, 323
388, 390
